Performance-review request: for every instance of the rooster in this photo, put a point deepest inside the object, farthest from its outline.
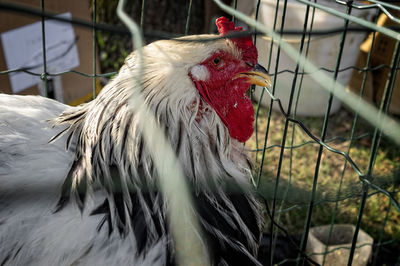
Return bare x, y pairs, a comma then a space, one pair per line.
63, 169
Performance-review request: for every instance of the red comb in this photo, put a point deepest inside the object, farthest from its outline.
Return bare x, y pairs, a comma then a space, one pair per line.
225, 26
245, 44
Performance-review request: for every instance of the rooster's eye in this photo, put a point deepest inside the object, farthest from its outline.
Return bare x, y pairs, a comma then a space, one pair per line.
217, 61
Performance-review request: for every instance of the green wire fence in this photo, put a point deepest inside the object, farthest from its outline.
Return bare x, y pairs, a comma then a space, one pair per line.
281, 135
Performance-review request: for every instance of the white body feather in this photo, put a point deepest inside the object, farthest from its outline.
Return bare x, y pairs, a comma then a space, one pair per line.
31, 174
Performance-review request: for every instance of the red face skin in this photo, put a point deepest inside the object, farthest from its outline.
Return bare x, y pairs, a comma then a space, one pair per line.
227, 93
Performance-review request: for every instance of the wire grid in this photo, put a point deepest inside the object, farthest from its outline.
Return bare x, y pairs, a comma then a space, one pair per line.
291, 120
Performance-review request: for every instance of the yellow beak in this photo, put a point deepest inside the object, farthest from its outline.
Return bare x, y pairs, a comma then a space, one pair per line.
258, 76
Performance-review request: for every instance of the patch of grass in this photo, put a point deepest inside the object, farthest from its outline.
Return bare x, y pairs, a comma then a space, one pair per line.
380, 218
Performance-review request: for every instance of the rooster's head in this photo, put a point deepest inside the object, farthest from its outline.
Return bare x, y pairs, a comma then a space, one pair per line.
196, 78
223, 78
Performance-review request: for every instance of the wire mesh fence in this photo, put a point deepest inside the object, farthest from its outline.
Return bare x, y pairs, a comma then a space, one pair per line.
322, 134
328, 166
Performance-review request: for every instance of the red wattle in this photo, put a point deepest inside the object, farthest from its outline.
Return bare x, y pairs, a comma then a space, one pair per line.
202, 88
234, 110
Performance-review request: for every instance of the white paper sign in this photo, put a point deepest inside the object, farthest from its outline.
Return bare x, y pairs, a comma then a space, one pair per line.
23, 49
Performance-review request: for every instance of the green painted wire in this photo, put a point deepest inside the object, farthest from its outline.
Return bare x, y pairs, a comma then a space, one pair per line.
366, 111
383, 4
291, 241
252, 89
377, 135
378, 4
364, 69
387, 94
109, 74
298, 96
379, 244
294, 115
142, 14
271, 229
158, 34
234, 7
360, 21
313, 142
271, 102
188, 18
59, 73
94, 19
286, 127
363, 177
388, 125
304, 237
43, 76
257, 11
369, 56
328, 200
